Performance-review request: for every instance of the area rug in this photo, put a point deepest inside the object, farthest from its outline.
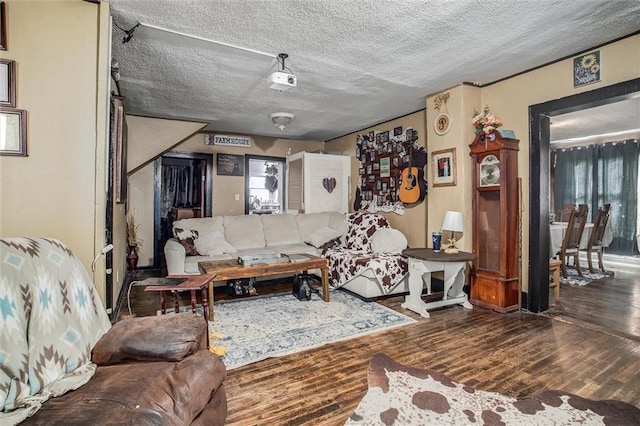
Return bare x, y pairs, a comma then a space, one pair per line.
402, 395
257, 328
574, 279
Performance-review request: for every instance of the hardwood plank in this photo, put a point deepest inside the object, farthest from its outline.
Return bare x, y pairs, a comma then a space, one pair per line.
588, 344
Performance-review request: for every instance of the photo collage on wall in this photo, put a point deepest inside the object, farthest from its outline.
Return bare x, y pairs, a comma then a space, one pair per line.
383, 155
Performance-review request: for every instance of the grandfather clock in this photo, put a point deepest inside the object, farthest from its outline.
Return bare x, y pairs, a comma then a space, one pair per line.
495, 280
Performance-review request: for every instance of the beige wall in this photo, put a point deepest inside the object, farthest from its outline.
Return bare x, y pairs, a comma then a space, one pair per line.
461, 102
143, 132
510, 100
58, 190
413, 223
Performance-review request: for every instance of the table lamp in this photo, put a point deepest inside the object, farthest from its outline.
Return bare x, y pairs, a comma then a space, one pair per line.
453, 221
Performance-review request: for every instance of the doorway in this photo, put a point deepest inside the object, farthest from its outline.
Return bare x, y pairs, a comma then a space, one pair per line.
537, 299
183, 189
264, 184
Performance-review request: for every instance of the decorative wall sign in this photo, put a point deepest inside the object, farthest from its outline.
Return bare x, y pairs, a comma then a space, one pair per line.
7, 83
329, 183
225, 140
230, 164
586, 69
444, 167
13, 140
442, 123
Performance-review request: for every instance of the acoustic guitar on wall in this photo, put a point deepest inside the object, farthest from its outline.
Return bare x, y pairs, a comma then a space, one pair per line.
412, 185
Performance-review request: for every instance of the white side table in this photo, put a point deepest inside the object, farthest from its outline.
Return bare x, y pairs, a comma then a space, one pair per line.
424, 261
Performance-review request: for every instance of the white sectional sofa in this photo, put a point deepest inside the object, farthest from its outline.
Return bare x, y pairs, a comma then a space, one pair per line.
227, 237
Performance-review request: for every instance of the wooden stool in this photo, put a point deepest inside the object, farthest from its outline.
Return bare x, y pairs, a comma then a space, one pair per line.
554, 267
192, 284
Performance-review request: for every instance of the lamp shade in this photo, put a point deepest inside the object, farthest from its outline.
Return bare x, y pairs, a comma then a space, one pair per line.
453, 221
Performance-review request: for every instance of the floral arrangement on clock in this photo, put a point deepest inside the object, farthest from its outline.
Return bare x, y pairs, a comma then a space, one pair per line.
485, 122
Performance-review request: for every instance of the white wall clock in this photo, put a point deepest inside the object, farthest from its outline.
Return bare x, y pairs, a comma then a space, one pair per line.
442, 123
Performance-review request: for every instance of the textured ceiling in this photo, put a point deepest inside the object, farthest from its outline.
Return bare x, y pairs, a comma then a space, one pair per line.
358, 63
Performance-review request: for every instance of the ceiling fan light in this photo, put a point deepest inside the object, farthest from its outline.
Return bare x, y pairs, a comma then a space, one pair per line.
281, 119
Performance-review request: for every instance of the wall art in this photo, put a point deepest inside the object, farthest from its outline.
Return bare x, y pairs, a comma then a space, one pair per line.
442, 123
444, 167
13, 137
7, 83
586, 69
3, 26
230, 165
382, 158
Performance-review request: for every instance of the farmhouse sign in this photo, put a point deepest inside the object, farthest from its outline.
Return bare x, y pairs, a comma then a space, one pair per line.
227, 140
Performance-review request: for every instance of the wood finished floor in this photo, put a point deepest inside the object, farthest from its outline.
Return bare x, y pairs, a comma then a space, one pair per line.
588, 344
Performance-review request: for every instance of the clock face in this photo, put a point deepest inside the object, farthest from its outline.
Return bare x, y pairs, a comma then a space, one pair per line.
490, 171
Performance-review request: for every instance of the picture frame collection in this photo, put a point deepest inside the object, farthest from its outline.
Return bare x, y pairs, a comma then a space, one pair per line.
15, 131
381, 157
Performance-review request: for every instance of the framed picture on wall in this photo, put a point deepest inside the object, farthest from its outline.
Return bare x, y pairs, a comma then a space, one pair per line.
444, 167
3, 26
7, 83
13, 132
230, 165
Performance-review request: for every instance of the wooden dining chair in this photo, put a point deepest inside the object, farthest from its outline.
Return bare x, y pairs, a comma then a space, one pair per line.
572, 236
563, 214
595, 239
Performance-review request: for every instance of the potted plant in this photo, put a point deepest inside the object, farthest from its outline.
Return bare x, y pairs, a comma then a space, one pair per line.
133, 243
271, 179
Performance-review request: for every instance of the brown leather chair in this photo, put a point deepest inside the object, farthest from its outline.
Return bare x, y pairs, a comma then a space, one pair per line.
595, 239
572, 236
563, 214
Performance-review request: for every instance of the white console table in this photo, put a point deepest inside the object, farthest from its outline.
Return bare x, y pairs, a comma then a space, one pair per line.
424, 261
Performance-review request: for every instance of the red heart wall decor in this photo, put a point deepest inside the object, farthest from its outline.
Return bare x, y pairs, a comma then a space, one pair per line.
329, 184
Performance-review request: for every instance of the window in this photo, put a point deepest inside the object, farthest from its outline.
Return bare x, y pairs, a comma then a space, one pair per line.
264, 184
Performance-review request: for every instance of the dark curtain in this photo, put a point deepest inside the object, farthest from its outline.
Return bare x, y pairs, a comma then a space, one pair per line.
176, 181
601, 174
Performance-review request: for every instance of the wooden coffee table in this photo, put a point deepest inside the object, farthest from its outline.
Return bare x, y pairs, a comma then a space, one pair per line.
230, 269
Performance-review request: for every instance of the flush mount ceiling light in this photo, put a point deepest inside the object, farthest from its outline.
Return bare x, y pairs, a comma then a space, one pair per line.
281, 119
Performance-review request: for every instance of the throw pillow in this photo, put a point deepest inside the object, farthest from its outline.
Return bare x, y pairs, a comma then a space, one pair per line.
187, 237
213, 243
388, 240
321, 236
361, 227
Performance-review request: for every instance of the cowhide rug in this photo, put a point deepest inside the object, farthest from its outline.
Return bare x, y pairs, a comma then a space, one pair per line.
401, 395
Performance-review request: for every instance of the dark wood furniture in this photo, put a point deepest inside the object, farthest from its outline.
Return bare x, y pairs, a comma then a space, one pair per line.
563, 213
572, 236
597, 234
192, 284
554, 268
230, 269
495, 280
178, 213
